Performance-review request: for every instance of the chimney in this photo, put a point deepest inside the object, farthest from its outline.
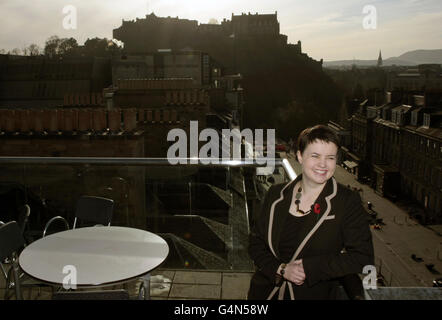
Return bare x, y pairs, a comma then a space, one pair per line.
114, 116
53, 120
149, 117
157, 115
7, 118
99, 120
37, 116
68, 120
84, 120
23, 120
130, 119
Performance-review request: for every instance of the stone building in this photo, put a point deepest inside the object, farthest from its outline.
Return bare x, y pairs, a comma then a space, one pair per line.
77, 132
359, 155
39, 81
230, 42
421, 164
400, 142
164, 65
424, 77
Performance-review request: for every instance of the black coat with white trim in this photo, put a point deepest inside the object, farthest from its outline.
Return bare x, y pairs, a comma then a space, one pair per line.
344, 225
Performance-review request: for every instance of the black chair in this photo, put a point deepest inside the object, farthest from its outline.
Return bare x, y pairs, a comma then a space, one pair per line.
24, 213
11, 241
5, 274
91, 295
89, 211
23, 218
22, 221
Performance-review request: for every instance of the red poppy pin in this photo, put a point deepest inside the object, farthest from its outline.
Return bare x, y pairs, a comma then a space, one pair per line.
317, 208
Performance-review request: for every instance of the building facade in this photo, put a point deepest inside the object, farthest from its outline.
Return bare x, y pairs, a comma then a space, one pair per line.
401, 143
39, 81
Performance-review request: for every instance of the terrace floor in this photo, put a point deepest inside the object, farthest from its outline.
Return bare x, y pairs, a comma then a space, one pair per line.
173, 284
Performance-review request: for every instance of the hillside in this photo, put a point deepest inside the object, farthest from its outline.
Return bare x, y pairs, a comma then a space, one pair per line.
410, 58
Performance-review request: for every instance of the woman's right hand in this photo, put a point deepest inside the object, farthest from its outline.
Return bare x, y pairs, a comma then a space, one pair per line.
294, 272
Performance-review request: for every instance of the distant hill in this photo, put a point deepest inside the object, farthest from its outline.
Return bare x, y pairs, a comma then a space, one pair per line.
410, 58
422, 56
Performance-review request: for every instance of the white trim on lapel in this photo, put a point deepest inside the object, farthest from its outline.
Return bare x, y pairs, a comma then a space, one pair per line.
272, 212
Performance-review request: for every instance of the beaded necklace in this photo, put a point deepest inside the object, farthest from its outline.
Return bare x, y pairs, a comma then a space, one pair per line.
298, 201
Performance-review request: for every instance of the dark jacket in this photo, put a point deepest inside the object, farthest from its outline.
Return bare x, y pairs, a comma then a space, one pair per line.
341, 222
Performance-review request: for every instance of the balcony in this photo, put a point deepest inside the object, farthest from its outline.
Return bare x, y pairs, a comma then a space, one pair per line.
204, 212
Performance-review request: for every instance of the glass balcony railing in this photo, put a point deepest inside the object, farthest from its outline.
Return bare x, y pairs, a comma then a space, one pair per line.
204, 212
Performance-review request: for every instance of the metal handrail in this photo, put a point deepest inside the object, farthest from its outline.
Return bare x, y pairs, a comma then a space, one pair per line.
139, 161
130, 161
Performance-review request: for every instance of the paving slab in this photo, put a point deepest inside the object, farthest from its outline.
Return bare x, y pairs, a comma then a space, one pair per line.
235, 285
197, 277
193, 291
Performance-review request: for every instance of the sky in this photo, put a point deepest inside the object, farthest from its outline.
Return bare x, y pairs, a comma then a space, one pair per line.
328, 29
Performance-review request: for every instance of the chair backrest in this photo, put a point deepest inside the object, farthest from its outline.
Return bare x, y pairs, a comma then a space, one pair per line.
91, 295
52, 221
23, 217
97, 210
11, 239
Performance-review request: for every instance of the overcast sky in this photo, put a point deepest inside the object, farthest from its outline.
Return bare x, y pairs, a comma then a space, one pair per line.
332, 30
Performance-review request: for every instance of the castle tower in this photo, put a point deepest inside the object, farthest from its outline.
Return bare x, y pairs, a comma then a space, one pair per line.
379, 64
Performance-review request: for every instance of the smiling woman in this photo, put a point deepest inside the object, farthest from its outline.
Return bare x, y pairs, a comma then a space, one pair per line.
298, 240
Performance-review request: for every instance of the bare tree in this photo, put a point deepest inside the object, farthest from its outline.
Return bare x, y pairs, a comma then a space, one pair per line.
15, 51
34, 50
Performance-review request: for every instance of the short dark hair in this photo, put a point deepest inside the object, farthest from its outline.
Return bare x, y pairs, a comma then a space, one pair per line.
319, 132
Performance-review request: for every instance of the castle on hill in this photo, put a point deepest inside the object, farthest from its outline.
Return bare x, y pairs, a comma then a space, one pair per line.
232, 42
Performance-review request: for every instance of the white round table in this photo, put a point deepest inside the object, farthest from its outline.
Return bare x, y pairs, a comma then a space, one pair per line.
95, 256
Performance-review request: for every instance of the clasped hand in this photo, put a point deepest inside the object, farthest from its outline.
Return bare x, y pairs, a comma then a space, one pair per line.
294, 272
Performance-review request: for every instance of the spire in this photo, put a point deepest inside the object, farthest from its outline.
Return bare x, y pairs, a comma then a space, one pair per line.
379, 59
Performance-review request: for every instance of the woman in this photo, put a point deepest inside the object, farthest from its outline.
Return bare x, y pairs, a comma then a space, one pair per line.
312, 231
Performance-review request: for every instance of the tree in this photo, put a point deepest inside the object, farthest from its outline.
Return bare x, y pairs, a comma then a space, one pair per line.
67, 46
33, 49
51, 46
100, 47
60, 46
15, 51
